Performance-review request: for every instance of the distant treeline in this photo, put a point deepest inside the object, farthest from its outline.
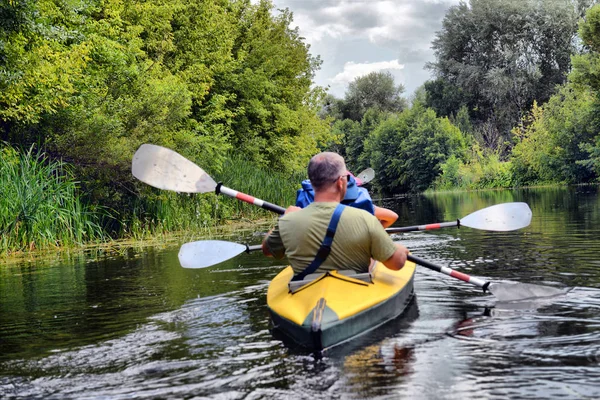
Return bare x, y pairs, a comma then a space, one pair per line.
514, 102
228, 84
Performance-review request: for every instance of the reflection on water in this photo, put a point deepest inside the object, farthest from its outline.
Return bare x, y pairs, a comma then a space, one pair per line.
138, 325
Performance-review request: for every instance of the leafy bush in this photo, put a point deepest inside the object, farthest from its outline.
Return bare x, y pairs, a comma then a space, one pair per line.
409, 149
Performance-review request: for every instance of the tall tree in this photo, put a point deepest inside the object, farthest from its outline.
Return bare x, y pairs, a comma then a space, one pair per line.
586, 75
375, 90
498, 57
258, 91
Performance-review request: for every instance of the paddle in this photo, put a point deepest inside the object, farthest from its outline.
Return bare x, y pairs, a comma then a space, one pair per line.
166, 169
513, 291
206, 253
500, 217
366, 176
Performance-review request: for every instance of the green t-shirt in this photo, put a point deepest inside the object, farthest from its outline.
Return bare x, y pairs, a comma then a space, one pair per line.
358, 238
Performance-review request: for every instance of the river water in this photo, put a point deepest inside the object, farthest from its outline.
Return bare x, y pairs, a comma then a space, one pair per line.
137, 325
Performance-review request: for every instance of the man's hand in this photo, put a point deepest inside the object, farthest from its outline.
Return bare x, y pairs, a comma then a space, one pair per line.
397, 260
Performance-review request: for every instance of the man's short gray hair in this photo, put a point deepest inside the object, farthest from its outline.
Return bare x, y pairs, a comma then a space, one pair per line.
325, 168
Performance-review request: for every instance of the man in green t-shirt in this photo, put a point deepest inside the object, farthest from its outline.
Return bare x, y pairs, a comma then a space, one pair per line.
359, 236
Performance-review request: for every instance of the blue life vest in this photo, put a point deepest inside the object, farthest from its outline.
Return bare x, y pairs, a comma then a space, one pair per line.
356, 196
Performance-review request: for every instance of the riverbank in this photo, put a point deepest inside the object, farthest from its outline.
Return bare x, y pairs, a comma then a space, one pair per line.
233, 230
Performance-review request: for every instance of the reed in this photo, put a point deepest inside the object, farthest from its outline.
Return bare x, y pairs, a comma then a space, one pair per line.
40, 205
167, 212
269, 185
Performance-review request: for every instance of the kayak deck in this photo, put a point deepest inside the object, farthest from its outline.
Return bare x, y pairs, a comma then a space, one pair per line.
336, 306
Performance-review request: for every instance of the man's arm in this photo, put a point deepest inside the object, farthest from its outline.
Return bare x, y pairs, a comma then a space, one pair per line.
397, 260
265, 247
274, 239
382, 246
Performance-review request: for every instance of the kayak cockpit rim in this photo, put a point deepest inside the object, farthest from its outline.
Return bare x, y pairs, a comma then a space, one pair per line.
359, 278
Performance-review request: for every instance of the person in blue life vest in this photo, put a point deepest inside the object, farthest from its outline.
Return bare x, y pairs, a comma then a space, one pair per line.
326, 235
356, 196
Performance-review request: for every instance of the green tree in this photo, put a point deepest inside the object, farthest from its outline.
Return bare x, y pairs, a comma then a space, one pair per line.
375, 90
550, 139
356, 155
409, 149
586, 76
497, 57
91, 81
261, 96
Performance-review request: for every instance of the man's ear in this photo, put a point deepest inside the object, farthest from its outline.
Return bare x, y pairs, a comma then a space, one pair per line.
341, 189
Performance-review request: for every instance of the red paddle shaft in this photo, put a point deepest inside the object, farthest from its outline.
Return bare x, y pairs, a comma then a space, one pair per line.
248, 199
424, 227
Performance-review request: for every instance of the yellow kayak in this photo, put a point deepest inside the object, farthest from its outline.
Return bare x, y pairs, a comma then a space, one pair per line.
327, 309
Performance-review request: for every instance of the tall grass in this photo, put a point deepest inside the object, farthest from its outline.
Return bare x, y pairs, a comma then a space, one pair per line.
167, 212
267, 185
40, 206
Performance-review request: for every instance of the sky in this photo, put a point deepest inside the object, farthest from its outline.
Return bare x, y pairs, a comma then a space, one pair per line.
356, 37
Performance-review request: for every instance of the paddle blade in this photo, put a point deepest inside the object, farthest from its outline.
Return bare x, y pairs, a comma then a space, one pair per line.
206, 253
523, 291
366, 176
501, 217
166, 169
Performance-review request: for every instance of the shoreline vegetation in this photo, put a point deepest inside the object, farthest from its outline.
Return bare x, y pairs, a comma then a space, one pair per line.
228, 84
36, 234
230, 230
44, 208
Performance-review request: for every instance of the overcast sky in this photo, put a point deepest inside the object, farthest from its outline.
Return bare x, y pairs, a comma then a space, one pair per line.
355, 37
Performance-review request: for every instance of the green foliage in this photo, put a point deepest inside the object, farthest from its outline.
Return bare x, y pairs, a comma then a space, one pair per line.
586, 76
408, 150
272, 186
354, 135
451, 176
446, 98
482, 169
586, 66
257, 91
497, 57
551, 140
91, 81
589, 29
375, 90
40, 205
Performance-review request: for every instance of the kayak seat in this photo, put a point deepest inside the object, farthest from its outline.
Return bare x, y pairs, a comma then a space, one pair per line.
361, 276
294, 286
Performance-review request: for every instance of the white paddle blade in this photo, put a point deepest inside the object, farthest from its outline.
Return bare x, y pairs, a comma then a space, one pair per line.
206, 253
366, 176
523, 291
166, 169
501, 217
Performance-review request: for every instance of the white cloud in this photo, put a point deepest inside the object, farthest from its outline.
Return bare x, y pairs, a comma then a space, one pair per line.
314, 32
353, 70
368, 31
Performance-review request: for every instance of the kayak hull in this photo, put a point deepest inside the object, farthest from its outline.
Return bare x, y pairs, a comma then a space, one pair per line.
336, 307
